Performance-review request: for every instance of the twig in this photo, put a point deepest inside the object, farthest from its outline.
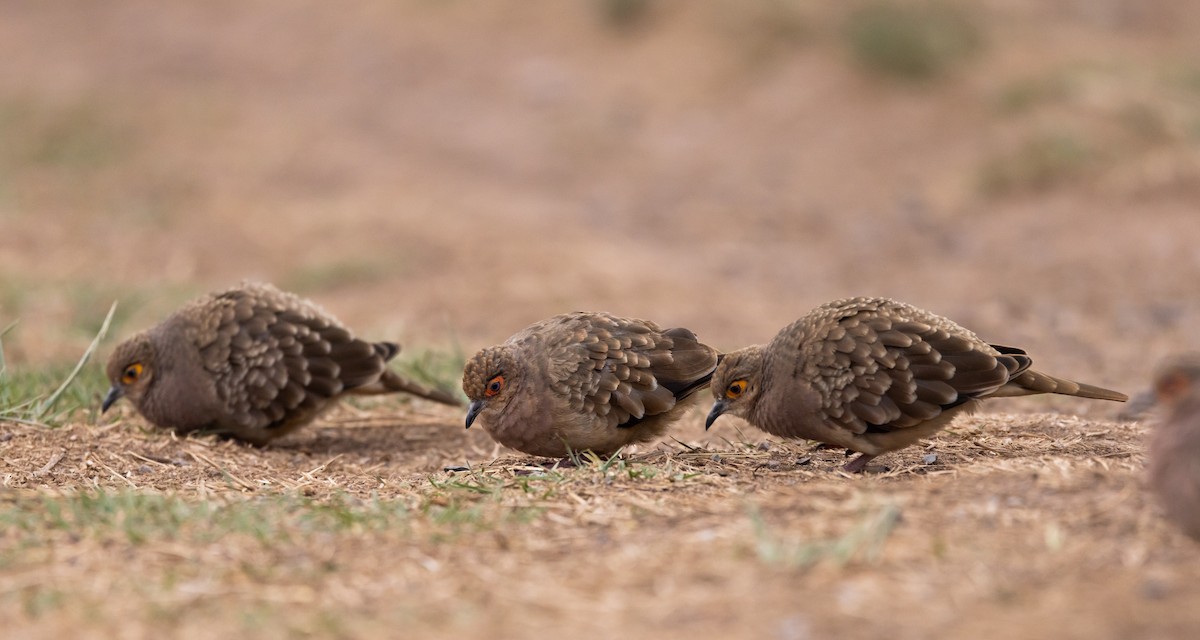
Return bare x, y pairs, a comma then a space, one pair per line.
115, 474
685, 445
321, 467
980, 445
54, 460
723, 454
145, 459
236, 480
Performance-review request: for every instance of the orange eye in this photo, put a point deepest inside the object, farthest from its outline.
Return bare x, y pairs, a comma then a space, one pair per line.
494, 386
735, 389
131, 373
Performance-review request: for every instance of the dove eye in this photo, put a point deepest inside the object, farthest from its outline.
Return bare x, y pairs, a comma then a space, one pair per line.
494, 386
735, 389
131, 373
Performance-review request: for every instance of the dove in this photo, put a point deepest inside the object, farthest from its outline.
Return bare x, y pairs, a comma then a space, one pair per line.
1173, 458
874, 375
253, 363
585, 381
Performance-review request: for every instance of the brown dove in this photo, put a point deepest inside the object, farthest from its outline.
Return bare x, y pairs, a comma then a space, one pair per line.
1174, 452
1145, 403
583, 381
253, 363
873, 375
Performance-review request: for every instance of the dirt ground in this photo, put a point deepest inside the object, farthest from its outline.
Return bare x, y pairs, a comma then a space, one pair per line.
443, 174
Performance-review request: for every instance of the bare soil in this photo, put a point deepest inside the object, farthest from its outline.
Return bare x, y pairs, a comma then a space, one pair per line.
444, 174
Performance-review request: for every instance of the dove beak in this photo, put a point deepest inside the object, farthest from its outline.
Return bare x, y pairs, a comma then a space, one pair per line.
719, 407
114, 394
473, 412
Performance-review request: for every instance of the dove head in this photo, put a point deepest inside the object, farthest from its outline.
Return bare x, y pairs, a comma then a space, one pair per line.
490, 379
1177, 378
131, 370
736, 383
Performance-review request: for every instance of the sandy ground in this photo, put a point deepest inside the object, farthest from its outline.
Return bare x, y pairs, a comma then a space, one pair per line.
444, 174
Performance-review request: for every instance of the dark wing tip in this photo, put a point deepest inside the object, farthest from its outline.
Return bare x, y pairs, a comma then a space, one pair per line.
387, 350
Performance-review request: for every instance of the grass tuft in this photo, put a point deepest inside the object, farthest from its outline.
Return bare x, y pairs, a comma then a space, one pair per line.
910, 41
20, 398
441, 369
623, 15
863, 542
481, 502
1043, 161
141, 518
1026, 94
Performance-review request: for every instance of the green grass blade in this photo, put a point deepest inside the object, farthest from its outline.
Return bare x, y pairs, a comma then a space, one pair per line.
3, 362
49, 402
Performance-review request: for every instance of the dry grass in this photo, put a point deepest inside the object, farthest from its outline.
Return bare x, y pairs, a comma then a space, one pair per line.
403, 520
442, 174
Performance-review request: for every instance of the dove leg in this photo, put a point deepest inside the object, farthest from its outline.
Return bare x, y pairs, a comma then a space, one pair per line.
859, 464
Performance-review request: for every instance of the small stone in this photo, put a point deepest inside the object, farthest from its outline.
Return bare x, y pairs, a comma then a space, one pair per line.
929, 458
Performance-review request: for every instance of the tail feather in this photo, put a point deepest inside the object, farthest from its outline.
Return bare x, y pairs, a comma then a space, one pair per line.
1030, 382
386, 350
696, 385
393, 382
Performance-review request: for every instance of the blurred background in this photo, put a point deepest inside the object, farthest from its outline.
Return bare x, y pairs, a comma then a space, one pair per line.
444, 172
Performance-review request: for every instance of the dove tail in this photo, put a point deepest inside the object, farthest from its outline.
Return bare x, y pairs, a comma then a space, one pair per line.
1030, 382
393, 382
